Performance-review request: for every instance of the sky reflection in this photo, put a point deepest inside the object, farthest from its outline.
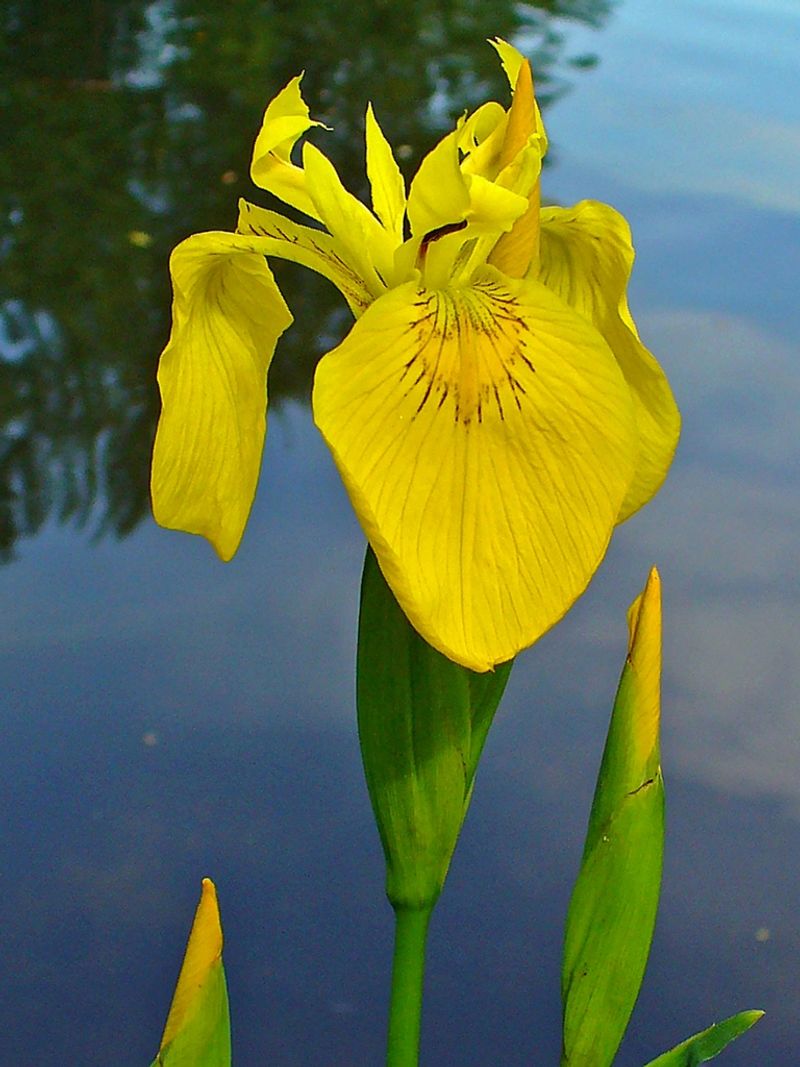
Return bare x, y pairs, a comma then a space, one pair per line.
695, 98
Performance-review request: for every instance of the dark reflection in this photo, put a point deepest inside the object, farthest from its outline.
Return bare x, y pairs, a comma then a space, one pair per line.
127, 127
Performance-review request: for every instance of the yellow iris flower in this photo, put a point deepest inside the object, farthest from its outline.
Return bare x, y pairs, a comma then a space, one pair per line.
492, 411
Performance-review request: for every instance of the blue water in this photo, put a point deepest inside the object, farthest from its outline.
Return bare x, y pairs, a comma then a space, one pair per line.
166, 717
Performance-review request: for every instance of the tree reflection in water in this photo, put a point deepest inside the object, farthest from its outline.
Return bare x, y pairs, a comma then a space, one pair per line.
128, 127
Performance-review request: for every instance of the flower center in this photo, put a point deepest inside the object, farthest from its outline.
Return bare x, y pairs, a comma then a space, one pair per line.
468, 347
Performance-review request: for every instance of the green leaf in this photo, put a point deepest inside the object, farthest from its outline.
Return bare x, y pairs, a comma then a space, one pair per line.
422, 723
197, 1032
613, 907
708, 1043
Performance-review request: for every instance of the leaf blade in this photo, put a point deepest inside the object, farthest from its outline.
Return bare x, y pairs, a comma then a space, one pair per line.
613, 906
708, 1043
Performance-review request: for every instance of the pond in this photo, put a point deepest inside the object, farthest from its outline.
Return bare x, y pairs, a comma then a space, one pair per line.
167, 717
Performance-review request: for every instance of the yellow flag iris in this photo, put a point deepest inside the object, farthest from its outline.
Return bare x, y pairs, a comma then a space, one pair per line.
492, 411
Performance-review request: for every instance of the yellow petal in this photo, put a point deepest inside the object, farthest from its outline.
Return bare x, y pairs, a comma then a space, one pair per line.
385, 179
480, 139
311, 248
586, 257
512, 60
438, 195
285, 121
486, 439
492, 208
444, 194
505, 157
510, 57
515, 251
521, 116
227, 315
367, 245
203, 952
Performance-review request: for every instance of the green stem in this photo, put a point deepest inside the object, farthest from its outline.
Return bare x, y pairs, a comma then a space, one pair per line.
408, 973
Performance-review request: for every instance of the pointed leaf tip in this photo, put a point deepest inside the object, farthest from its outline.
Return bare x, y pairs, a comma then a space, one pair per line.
708, 1043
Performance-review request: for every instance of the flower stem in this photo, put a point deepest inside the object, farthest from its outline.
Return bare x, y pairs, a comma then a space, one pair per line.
408, 972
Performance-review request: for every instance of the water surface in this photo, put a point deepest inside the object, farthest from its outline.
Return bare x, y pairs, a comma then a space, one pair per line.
167, 717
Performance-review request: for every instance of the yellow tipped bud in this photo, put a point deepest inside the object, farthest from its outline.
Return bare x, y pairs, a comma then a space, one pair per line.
613, 908
644, 655
203, 951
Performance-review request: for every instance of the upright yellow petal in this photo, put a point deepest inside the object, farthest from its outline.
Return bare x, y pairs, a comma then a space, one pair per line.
486, 439
227, 315
285, 121
512, 60
493, 211
365, 242
385, 179
446, 195
587, 257
438, 195
515, 251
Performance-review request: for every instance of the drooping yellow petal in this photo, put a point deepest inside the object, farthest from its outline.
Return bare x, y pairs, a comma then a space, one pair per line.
366, 244
385, 179
586, 257
486, 439
286, 119
203, 953
227, 315
312, 248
